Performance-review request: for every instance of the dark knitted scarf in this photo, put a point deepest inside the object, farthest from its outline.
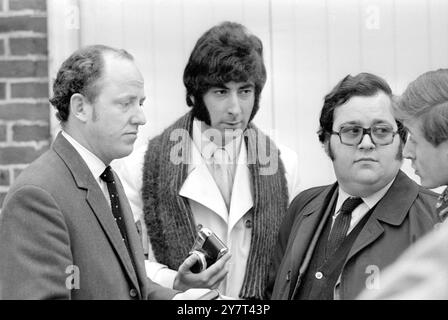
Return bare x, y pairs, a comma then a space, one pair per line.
168, 216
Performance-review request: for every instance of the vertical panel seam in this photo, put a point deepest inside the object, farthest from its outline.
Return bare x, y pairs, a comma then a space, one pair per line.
429, 34
395, 39
327, 45
360, 35
271, 71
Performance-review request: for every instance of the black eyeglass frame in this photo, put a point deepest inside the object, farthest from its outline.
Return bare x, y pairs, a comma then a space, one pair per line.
365, 131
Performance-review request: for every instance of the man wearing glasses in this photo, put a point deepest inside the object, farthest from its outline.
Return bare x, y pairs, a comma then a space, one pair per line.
335, 240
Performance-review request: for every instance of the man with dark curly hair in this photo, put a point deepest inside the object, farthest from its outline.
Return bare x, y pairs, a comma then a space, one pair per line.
66, 228
214, 168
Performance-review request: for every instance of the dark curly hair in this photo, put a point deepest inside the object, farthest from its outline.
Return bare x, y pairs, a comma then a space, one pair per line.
80, 74
227, 52
363, 84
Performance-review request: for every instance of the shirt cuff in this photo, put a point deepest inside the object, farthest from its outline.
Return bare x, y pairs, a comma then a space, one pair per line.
160, 273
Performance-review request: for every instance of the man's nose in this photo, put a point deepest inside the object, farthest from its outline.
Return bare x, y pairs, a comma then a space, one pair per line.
408, 150
139, 117
366, 142
234, 104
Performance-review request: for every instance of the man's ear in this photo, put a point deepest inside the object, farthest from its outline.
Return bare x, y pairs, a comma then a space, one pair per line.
79, 107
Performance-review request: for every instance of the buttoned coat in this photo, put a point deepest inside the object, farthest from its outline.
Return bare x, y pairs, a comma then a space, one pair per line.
402, 216
59, 240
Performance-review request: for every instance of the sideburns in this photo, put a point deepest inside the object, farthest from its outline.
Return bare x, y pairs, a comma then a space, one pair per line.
328, 150
94, 114
399, 155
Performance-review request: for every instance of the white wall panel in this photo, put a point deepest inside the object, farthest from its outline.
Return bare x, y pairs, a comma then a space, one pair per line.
377, 39
312, 75
309, 45
344, 46
411, 41
438, 33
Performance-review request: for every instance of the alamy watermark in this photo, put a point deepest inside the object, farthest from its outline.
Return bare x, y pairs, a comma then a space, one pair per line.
72, 281
372, 17
261, 151
373, 280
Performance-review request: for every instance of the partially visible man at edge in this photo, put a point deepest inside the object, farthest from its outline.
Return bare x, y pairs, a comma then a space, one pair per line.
422, 271
242, 199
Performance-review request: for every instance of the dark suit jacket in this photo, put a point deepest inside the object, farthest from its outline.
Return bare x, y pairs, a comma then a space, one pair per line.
56, 222
404, 214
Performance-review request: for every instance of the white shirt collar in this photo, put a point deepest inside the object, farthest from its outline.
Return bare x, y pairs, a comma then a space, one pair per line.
95, 165
207, 147
370, 201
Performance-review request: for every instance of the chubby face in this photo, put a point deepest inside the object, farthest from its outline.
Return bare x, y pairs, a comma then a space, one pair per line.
429, 162
116, 114
230, 106
365, 168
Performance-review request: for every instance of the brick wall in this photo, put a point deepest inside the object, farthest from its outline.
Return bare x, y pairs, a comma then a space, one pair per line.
24, 107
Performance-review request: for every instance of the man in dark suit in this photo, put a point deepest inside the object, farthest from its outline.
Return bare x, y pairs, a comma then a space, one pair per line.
66, 228
336, 239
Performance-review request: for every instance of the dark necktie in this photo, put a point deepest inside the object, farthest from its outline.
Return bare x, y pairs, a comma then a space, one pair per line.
442, 205
108, 177
341, 225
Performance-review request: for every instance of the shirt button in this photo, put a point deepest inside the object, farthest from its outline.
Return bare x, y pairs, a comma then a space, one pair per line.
198, 227
248, 223
133, 293
318, 275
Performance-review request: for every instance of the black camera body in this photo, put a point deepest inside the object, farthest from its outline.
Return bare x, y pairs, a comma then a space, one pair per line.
209, 248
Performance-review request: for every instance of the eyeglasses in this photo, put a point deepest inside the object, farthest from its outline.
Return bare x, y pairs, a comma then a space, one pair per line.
380, 135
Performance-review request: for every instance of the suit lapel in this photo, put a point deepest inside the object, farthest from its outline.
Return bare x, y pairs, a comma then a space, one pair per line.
102, 211
309, 229
369, 234
391, 209
134, 239
96, 200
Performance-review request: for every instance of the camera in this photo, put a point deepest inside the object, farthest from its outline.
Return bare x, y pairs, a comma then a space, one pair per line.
209, 248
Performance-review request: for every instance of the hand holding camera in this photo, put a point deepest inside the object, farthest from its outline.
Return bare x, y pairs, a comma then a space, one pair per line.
209, 248
207, 258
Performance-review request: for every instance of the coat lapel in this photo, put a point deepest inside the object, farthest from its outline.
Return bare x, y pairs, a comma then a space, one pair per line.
391, 209
96, 200
200, 186
314, 216
242, 201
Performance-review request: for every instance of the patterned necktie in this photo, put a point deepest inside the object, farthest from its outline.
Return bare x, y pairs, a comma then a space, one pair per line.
341, 225
442, 204
108, 177
222, 174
